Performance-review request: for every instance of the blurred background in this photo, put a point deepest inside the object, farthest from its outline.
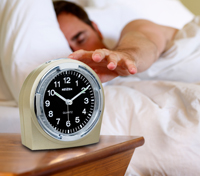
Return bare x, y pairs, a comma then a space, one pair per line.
192, 5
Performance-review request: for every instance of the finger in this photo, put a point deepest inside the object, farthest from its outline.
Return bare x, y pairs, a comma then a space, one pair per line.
112, 59
81, 55
100, 54
130, 65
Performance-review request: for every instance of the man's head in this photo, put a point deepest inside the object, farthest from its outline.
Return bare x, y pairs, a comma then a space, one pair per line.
80, 32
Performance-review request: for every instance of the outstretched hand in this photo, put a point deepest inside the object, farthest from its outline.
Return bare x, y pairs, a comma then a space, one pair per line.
106, 63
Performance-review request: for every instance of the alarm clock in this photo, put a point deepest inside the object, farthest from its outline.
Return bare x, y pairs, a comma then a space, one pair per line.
61, 105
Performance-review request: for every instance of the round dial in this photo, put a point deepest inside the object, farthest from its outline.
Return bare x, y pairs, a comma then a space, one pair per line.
69, 101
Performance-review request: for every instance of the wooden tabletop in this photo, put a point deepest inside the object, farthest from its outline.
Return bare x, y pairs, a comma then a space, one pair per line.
15, 159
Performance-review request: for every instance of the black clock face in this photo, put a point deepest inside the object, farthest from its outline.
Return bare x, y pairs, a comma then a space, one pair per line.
69, 102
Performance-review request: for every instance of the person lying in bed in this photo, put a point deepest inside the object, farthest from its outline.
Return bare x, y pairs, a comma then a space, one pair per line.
140, 44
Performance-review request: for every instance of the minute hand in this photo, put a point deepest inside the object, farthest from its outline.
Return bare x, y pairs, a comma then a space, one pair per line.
80, 93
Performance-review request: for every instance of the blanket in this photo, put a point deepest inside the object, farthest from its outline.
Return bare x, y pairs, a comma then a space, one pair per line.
166, 113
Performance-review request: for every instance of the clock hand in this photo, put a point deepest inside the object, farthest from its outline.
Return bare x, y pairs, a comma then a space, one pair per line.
80, 93
68, 112
67, 101
60, 96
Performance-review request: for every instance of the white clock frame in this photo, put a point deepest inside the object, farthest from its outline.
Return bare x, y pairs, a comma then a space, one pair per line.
37, 137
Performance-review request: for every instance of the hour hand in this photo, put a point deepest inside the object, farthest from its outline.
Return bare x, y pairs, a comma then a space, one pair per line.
60, 96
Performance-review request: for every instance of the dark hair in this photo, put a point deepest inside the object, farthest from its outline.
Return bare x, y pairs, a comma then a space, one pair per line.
69, 7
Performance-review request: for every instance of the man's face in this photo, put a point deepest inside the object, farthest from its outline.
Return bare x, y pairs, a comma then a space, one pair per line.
78, 34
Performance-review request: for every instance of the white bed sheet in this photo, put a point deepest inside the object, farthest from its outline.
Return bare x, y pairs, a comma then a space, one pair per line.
166, 114
9, 119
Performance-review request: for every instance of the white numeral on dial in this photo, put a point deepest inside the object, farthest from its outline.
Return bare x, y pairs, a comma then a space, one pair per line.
77, 83
83, 89
68, 124
84, 111
57, 83
77, 120
58, 120
67, 80
51, 92
50, 113
86, 100
47, 103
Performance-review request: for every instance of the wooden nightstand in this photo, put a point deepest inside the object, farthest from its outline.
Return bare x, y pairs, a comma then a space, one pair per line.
110, 156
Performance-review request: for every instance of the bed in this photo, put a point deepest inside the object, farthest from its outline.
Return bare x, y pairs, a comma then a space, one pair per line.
162, 104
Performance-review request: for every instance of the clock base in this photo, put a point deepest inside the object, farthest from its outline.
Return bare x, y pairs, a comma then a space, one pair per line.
36, 141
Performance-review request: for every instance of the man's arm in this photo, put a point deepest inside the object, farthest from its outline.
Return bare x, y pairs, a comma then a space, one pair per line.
145, 41
140, 45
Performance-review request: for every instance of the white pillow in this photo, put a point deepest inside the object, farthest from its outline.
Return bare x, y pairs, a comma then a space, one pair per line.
117, 13
29, 36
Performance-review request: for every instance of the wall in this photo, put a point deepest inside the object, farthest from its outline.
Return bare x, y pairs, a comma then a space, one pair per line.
192, 5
